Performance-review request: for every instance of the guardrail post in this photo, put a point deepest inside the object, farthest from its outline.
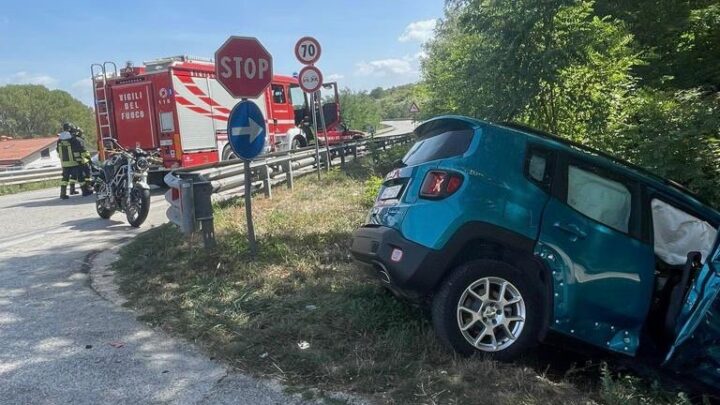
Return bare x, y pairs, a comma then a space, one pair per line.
288, 169
187, 201
354, 151
203, 211
342, 157
267, 183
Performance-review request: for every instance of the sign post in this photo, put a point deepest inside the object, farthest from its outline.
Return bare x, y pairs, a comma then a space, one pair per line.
244, 68
414, 109
307, 52
310, 79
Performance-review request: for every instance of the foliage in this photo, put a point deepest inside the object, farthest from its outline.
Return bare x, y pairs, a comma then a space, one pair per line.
676, 135
372, 187
678, 38
637, 79
552, 64
359, 110
29, 111
395, 102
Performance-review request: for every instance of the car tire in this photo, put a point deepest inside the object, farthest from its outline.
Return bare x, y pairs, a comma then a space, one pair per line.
462, 302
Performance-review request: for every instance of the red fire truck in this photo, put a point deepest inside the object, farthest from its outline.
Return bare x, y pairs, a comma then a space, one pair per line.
175, 105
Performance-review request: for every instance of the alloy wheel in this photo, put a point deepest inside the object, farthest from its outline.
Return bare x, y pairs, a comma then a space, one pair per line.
491, 314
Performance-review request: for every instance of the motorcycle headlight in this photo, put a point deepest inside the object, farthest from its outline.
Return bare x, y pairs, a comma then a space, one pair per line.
142, 164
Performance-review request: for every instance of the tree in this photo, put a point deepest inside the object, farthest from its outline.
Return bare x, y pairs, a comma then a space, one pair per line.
677, 136
678, 38
28, 111
359, 110
395, 101
552, 64
638, 79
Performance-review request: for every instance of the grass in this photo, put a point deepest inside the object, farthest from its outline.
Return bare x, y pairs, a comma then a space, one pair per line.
18, 188
302, 313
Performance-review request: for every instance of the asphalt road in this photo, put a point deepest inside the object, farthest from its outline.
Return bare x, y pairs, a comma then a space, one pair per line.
399, 127
60, 342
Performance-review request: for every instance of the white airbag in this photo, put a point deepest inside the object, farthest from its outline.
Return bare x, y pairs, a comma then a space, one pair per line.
678, 233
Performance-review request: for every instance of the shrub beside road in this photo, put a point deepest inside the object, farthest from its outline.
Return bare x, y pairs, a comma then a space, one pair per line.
302, 313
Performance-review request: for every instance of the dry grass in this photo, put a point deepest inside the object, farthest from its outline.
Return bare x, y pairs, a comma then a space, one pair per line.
301, 312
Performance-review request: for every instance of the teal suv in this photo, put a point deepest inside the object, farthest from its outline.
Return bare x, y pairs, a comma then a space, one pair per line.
510, 233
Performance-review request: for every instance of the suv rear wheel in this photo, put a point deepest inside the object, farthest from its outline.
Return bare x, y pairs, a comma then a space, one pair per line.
490, 307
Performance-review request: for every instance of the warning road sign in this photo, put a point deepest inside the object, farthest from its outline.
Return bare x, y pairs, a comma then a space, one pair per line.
414, 108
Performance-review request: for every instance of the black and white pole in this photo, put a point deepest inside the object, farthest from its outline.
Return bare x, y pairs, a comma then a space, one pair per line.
315, 132
325, 131
307, 52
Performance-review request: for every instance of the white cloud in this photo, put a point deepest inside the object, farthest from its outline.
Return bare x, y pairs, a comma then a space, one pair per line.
28, 78
419, 31
82, 90
334, 77
384, 67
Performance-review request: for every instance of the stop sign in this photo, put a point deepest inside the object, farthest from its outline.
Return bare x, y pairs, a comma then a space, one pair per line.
243, 66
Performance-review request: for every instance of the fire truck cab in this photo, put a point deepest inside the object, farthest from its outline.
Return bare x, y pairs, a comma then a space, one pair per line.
176, 106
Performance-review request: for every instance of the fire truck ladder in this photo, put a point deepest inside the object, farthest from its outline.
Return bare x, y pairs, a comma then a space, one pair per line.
99, 75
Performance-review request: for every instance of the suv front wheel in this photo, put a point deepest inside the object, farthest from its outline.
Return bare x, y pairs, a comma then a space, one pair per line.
490, 307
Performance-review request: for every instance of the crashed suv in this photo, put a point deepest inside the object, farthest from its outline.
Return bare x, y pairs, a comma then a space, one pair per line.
510, 233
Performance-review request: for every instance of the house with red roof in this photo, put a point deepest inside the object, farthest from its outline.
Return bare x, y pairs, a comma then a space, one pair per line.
28, 153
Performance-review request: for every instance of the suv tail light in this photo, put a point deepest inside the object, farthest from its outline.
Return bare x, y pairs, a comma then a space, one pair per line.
439, 184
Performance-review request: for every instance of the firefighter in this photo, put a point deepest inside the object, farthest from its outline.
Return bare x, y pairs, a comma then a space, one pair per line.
84, 170
66, 146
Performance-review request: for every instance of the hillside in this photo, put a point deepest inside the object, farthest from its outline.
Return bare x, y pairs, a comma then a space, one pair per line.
29, 111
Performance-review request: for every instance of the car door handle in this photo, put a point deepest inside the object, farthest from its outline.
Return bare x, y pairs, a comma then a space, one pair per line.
571, 229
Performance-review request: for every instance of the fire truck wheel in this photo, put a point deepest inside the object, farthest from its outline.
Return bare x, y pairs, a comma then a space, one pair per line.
228, 153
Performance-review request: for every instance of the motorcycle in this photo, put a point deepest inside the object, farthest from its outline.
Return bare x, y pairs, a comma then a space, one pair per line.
121, 185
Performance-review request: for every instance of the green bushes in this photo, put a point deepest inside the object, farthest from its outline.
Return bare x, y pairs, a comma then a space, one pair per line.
636, 79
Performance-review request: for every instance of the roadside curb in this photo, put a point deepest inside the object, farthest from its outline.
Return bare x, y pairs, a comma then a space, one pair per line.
102, 278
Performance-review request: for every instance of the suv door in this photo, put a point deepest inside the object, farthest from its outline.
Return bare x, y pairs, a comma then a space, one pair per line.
602, 271
696, 350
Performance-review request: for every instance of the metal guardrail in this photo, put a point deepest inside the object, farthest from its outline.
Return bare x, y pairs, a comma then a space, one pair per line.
192, 191
13, 177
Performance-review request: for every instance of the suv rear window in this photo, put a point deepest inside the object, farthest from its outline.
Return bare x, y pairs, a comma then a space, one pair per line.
439, 146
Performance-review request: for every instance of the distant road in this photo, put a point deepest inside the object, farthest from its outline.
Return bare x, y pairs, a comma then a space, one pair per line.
399, 127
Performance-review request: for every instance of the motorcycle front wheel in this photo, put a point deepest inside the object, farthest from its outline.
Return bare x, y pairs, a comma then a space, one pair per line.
102, 210
139, 207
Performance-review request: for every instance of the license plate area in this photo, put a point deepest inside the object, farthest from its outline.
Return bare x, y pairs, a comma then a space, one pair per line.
391, 193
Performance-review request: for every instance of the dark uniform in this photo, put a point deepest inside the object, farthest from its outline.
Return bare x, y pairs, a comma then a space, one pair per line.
70, 150
85, 169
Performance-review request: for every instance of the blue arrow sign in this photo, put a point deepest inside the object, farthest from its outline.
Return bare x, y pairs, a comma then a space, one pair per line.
246, 129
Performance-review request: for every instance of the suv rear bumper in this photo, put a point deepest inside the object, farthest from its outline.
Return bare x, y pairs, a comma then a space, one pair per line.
413, 276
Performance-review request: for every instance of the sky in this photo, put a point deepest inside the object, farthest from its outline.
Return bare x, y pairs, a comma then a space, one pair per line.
365, 43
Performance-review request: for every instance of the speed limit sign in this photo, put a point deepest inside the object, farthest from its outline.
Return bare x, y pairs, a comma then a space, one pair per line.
307, 50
